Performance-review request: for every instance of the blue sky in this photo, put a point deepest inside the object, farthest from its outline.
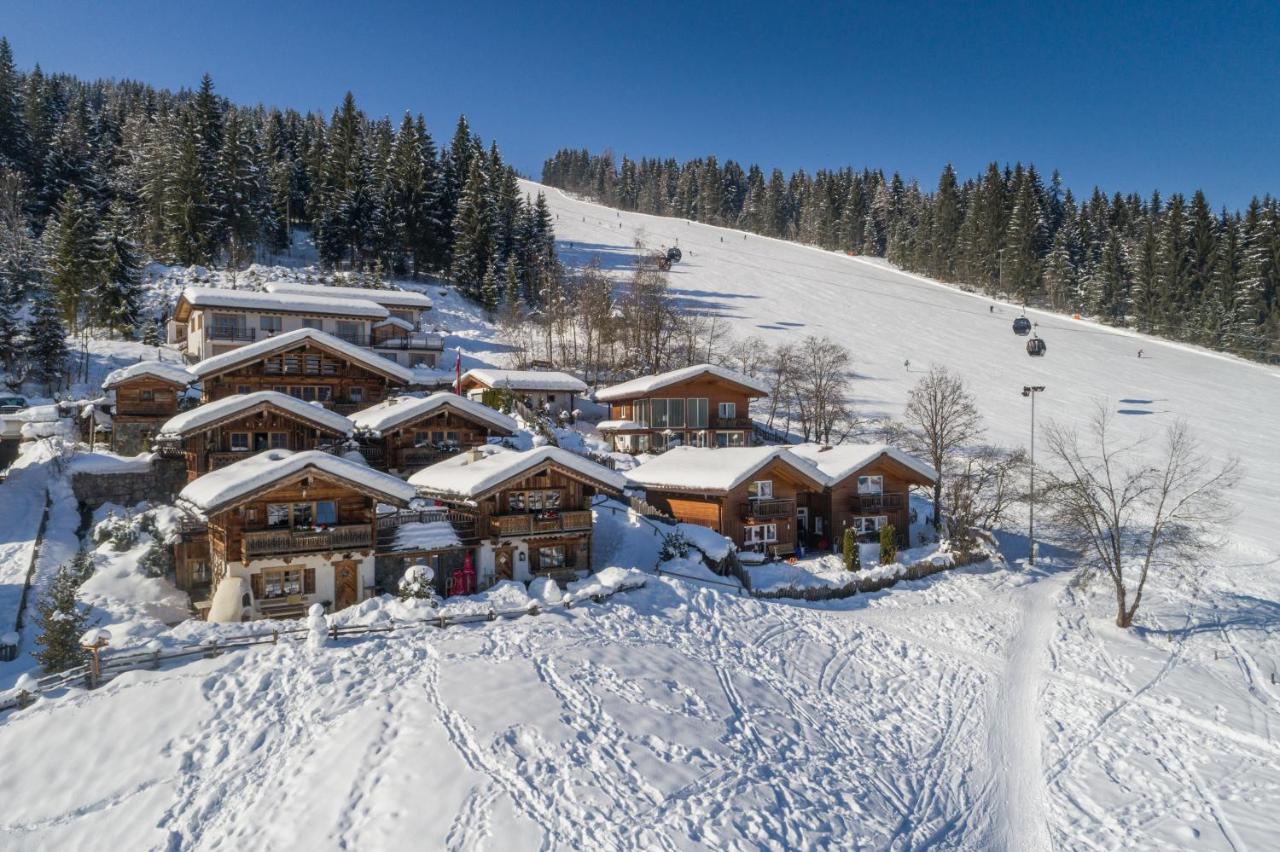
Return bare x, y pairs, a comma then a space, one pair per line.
1130, 97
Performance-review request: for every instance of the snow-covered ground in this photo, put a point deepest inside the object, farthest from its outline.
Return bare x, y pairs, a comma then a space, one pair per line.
992, 706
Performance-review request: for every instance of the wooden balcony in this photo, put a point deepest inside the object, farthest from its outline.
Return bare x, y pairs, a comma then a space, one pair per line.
417, 457
463, 523
767, 509
272, 542
533, 524
867, 504
146, 409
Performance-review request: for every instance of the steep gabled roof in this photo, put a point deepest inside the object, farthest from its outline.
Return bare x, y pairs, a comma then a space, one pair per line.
475, 474
174, 374
526, 380
645, 385
405, 409
385, 297
238, 405
293, 339
717, 470
237, 483
293, 303
841, 461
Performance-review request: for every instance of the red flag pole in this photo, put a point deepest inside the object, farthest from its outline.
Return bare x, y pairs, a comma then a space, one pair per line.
457, 373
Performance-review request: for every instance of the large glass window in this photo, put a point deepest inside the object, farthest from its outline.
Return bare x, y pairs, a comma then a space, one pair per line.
349, 331
309, 322
326, 512
729, 439
696, 413
281, 584
658, 414
551, 558
727, 410
760, 534
270, 325
640, 411
675, 413
303, 515
240, 442
761, 489
870, 484
277, 515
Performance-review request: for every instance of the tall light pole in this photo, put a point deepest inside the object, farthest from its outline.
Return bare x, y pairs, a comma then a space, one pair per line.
1031, 391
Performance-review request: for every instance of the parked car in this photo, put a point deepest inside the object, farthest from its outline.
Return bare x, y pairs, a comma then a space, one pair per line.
11, 404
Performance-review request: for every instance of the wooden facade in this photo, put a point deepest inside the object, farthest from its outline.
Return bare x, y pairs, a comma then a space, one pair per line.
704, 411
143, 403
267, 427
871, 497
430, 438
759, 514
309, 371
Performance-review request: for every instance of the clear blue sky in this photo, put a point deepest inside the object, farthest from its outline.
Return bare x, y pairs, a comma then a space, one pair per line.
1131, 97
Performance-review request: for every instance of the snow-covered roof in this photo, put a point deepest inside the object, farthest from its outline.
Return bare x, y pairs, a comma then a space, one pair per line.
251, 476
646, 385
526, 380
175, 373
468, 477
426, 535
210, 413
843, 460
395, 322
715, 469
289, 339
620, 426
387, 298
402, 409
254, 300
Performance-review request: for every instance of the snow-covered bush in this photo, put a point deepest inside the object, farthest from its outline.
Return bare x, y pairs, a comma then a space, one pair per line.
417, 583
122, 533
61, 622
157, 561
674, 546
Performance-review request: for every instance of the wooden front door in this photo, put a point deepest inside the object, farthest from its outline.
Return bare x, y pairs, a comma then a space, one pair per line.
346, 584
503, 567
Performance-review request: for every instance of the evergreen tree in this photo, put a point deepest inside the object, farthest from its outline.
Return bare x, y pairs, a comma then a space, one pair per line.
13, 132
852, 555
61, 622
473, 228
120, 296
490, 290
77, 255
46, 344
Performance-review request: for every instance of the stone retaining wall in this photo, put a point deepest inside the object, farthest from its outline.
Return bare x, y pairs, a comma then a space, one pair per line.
161, 483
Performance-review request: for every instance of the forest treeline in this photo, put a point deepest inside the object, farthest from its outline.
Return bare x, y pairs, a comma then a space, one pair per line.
1168, 266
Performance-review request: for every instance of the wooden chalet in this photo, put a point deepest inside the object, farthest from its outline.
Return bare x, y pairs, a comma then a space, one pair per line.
868, 488
408, 433
748, 494
235, 427
542, 391
146, 394
526, 514
286, 530
700, 406
307, 364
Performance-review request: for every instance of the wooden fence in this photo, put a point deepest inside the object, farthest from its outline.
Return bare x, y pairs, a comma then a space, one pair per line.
94, 673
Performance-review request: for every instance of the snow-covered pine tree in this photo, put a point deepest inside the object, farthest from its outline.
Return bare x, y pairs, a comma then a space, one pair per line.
473, 229
13, 132
61, 622
46, 344
77, 255
120, 295
490, 289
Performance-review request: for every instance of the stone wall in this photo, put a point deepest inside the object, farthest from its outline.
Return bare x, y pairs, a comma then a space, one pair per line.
161, 483
132, 437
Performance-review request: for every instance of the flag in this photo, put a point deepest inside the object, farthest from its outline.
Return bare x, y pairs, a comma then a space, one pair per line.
457, 373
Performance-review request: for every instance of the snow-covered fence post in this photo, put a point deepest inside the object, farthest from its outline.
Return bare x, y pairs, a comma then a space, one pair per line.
154, 647
317, 628
93, 641
28, 687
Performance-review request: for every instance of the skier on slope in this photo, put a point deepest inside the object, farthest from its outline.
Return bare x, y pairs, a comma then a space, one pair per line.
993, 309
906, 365
1139, 353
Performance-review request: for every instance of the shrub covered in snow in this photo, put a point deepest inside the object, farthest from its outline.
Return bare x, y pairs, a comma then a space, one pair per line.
417, 583
674, 546
61, 623
121, 532
157, 561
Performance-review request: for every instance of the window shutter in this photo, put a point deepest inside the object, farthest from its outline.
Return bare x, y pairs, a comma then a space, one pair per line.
255, 583
309, 581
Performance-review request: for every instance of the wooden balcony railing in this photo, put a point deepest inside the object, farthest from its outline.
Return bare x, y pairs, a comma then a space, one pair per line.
425, 456
463, 524
146, 409
268, 542
533, 524
767, 509
867, 503
730, 422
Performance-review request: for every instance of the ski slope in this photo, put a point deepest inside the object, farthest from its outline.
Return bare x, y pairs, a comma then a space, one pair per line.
778, 290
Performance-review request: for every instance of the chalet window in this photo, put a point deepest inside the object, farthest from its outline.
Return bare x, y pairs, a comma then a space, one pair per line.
279, 440
870, 484
326, 512
228, 326
239, 442
697, 439
303, 515
147, 395
281, 388
696, 413
282, 583
675, 413
349, 331
270, 325
551, 558
356, 395
761, 489
309, 322
729, 439
640, 411
727, 410
277, 515
198, 571
760, 534
323, 393
406, 316
451, 438
869, 525
292, 364
421, 438
312, 365
658, 410
437, 437
309, 393
534, 501
243, 389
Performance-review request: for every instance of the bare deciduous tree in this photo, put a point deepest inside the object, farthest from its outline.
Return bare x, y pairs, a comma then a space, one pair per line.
1128, 516
819, 388
981, 490
945, 419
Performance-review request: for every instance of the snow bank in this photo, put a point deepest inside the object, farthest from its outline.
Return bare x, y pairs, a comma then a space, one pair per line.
203, 416
607, 582
472, 474
646, 385
526, 380
710, 542
403, 409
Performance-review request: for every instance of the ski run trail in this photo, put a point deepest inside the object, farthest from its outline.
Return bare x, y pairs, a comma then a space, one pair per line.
990, 707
